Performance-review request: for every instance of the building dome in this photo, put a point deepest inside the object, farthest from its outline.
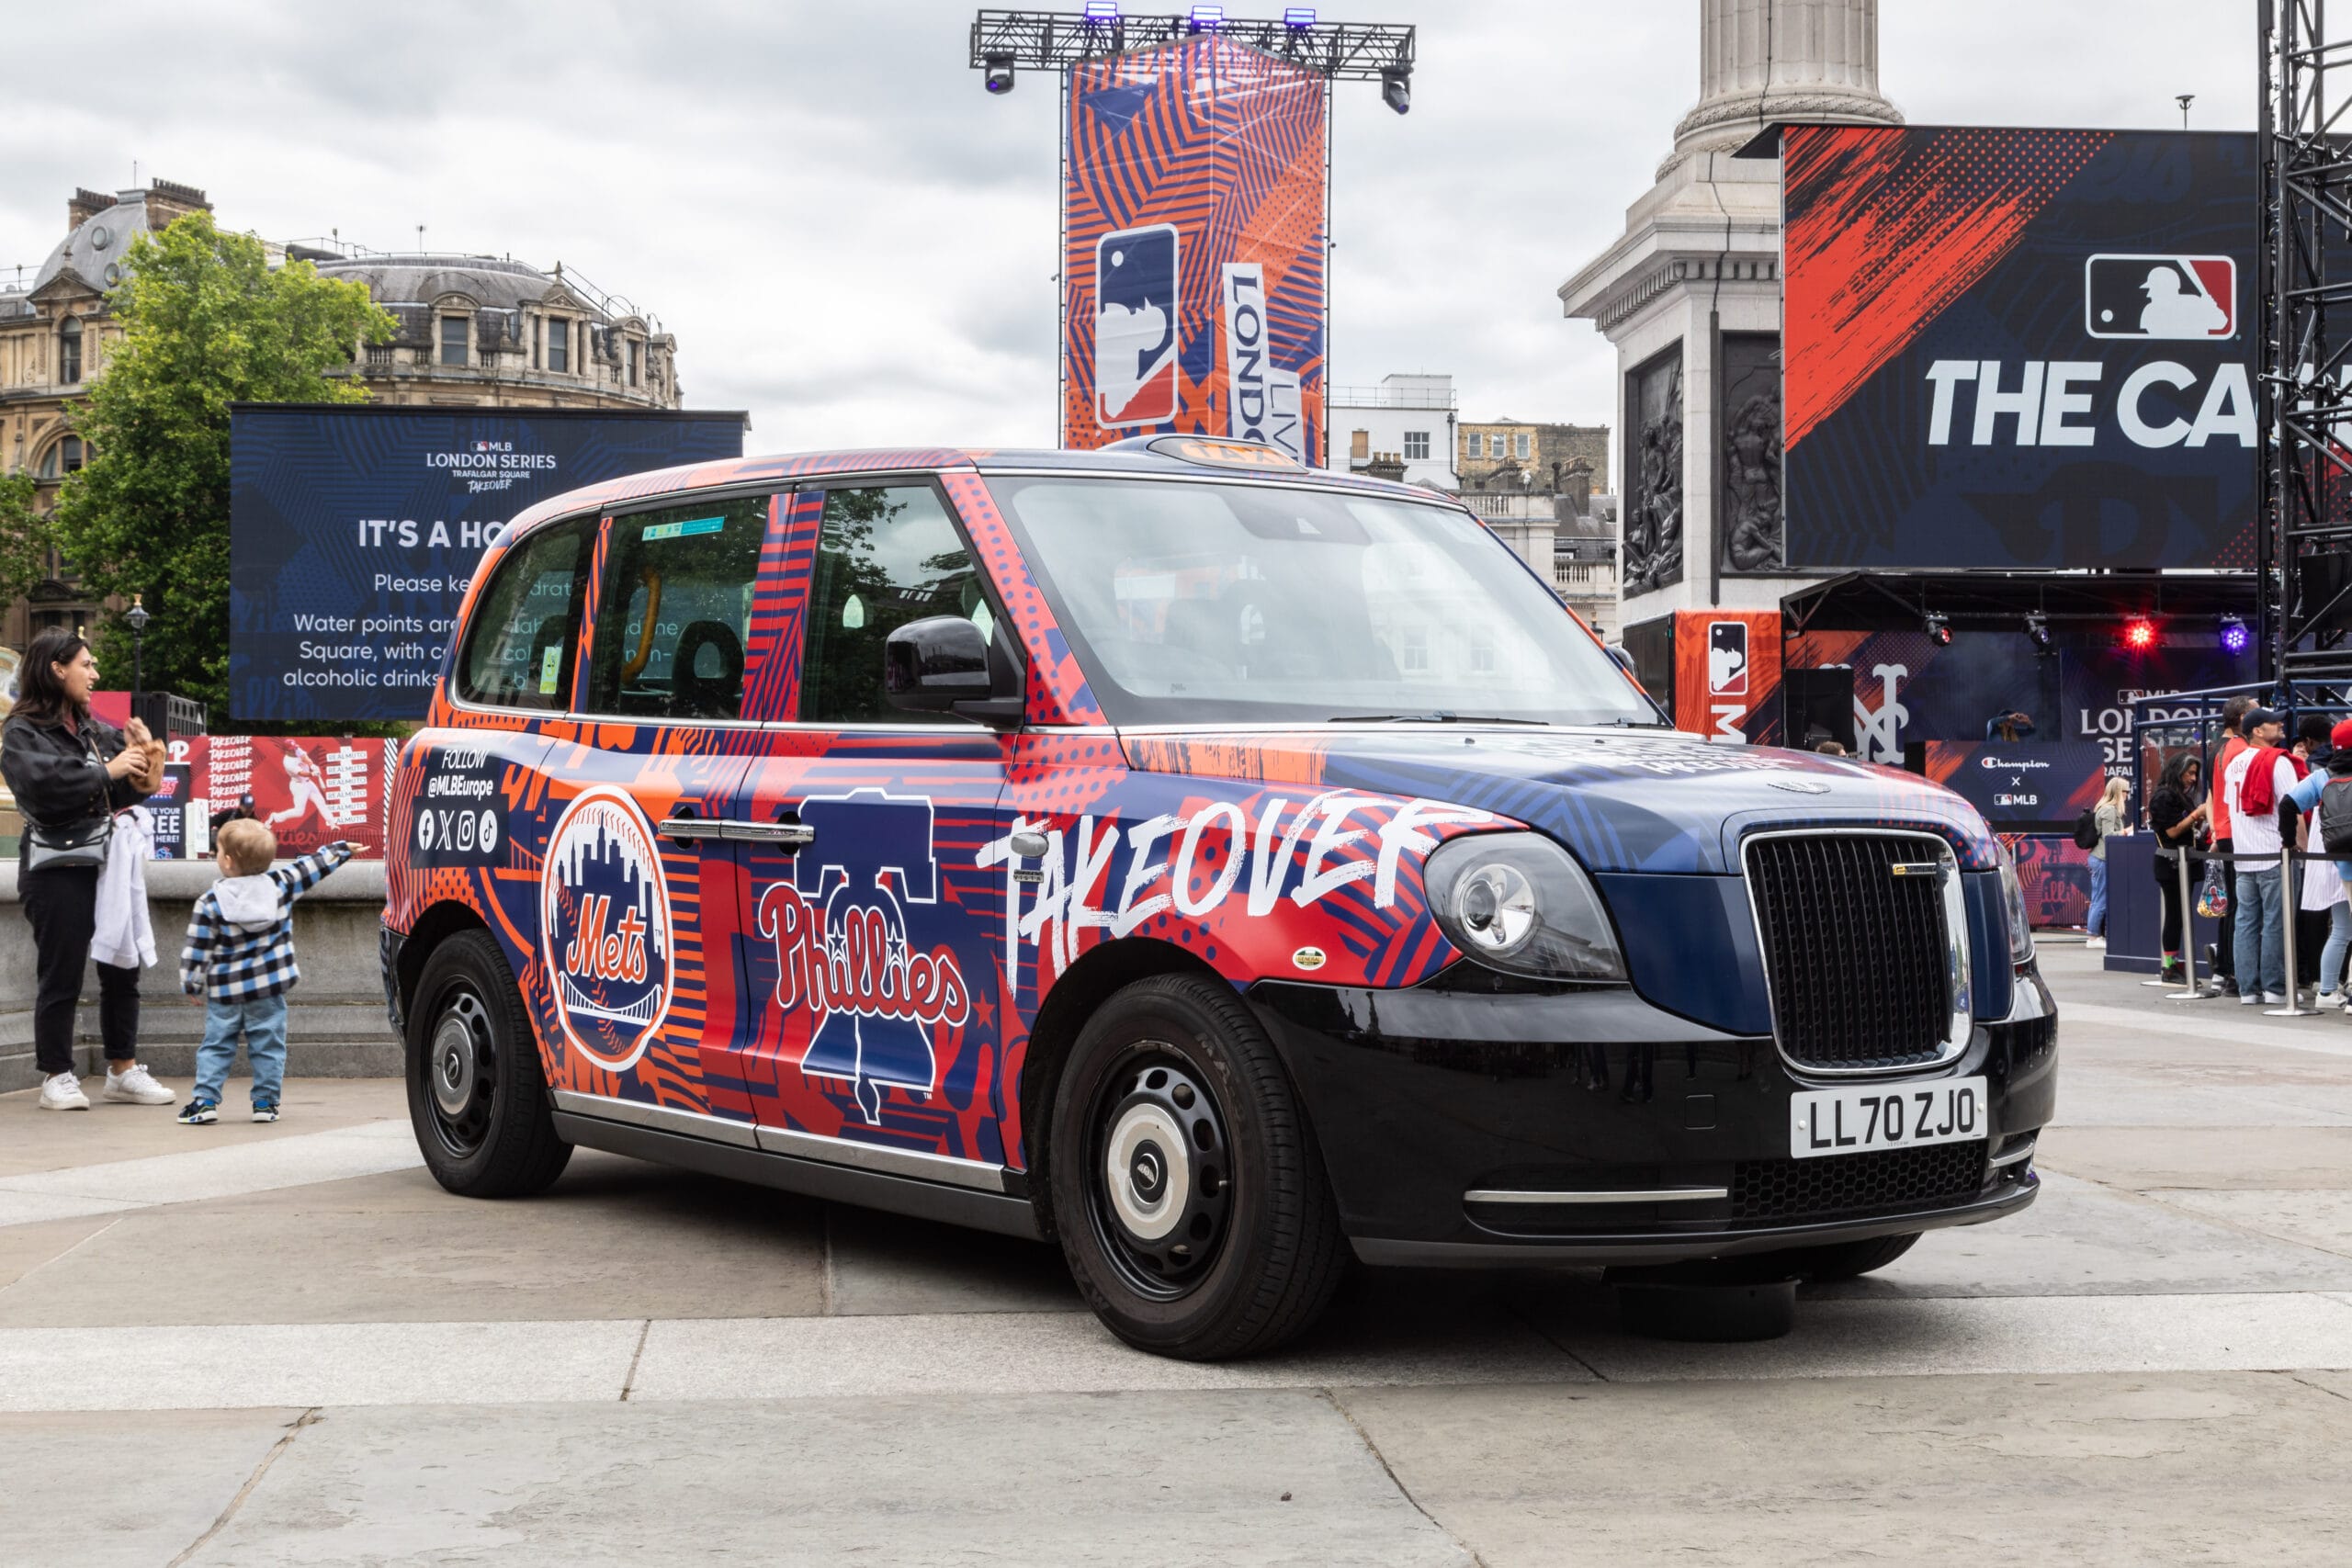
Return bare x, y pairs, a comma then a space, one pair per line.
95, 247
487, 281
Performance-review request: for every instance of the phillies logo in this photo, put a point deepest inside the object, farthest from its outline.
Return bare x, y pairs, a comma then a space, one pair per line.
604, 921
842, 950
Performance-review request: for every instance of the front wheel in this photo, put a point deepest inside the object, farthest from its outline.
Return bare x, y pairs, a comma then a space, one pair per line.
476, 1096
1187, 1186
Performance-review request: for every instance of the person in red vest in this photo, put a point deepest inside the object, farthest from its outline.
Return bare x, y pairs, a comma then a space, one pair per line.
2233, 714
2258, 778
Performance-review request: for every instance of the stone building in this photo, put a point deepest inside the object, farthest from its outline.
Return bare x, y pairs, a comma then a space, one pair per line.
1406, 421
473, 332
1510, 453
1691, 298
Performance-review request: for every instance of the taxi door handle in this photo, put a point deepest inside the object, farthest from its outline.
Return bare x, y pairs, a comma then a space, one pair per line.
687, 829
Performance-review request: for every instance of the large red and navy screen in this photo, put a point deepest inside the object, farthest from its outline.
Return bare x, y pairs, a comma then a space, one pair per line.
2011, 348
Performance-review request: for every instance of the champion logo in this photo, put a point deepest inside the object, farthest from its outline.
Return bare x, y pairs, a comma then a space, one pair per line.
604, 913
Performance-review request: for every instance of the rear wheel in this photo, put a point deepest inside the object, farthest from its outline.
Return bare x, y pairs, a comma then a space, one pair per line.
476, 1096
1846, 1260
1187, 1187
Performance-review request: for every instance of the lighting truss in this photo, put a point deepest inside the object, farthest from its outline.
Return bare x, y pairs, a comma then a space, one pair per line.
2304, 294
1054, 40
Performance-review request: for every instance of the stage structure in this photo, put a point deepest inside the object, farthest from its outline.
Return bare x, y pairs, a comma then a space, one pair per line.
2305, 297
1195, 180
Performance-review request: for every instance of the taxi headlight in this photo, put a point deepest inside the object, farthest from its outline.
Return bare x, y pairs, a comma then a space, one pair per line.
2013, 901
1518, 902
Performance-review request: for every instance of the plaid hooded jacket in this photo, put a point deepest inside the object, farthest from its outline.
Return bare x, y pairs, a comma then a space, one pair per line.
241, 936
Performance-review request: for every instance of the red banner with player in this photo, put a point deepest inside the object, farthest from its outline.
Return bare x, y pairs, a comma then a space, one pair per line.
1192, 269
310, 791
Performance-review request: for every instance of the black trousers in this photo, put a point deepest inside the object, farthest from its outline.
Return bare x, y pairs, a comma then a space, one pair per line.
63, 908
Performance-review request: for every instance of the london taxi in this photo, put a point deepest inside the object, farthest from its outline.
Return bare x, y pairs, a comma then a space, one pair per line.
1213, 867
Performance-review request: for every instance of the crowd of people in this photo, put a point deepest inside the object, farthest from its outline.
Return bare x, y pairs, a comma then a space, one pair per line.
2267, 792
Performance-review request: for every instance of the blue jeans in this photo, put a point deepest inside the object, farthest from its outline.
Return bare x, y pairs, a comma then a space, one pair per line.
2097, 924
2261, 937
262, 1022
2339, 942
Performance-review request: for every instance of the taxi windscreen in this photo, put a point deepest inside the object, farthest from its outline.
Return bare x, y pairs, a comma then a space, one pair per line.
1190, 603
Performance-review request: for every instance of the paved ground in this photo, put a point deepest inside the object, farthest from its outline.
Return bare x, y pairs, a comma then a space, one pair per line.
284, 1345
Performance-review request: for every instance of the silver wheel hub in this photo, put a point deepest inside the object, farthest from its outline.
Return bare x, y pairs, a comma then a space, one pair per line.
1149, 1171
455, 1064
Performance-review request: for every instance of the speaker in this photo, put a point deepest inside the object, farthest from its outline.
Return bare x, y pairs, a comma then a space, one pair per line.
2318, 581
1817, 706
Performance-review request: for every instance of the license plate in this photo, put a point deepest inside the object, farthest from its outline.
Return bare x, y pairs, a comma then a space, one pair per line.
1887, 1116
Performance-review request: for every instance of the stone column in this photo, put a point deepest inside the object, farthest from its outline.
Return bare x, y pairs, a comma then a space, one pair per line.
1765, 61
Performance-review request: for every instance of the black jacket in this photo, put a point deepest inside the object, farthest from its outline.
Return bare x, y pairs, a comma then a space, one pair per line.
59, 778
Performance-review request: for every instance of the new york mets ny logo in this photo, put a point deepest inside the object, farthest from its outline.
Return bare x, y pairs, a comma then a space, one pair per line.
842, 950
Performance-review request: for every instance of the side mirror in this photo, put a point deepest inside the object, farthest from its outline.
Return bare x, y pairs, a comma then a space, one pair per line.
941, 664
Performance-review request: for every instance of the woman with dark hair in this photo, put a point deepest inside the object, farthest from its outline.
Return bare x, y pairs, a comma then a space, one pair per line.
2176, 817
70, 772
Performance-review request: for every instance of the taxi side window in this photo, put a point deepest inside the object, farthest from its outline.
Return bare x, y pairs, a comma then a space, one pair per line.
885, 555
518, 653
675, 613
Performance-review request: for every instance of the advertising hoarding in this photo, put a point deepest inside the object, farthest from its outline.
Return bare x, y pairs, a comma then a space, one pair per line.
1192, 269
2019, 348
354, 529
2022, 786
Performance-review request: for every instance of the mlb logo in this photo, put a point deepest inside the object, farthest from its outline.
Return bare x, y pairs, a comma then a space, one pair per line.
1135, 310
1727, 658
2172, 299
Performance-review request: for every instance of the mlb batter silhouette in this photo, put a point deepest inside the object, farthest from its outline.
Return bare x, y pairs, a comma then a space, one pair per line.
870, 859
2170, 313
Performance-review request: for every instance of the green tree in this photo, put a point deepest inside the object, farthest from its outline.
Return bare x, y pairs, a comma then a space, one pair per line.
24, 539
207, 321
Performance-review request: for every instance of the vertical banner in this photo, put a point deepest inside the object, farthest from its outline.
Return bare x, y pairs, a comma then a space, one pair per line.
1193, 271
1726, 670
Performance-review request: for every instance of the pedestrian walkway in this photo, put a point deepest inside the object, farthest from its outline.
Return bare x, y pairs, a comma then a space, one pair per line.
645, 1363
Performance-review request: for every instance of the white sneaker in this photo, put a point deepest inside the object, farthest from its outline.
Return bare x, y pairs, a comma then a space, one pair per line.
2249, 998
2095, 943
62, 1092
2274, 999
135, 1088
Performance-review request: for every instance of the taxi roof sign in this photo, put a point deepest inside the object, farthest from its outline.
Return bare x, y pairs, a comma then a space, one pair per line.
1218, 453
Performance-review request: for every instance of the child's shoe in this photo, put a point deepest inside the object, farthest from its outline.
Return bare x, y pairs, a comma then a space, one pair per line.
264, 1110
199, 1112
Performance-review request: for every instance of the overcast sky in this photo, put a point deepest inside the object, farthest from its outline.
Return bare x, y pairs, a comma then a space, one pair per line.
855, 244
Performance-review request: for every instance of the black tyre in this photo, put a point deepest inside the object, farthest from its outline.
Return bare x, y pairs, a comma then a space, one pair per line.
1846, 1260
476, 1096
1187, 1186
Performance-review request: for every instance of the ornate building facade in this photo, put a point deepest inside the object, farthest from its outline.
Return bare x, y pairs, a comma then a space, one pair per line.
473, 332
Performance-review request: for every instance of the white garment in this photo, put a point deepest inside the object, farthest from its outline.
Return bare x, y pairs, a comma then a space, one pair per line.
2322, 884
125, 936
2254, 833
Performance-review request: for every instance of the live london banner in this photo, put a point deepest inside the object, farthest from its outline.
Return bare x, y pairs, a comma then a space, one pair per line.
355, 530
1192, 269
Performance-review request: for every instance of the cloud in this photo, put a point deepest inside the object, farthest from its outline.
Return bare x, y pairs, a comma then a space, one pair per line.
854, 243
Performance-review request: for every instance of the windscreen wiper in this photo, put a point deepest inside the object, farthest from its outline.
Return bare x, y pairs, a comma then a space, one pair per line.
1440, 717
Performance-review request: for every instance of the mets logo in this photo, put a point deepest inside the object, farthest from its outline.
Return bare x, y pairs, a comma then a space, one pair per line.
845, 953
605, 924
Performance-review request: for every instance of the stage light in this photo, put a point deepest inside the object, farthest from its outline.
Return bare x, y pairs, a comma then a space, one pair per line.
2037, 629
1396, 88
1939, 629
2236, 638
1207, 18
1298, 16
998, 79
1101, 10
2140, 633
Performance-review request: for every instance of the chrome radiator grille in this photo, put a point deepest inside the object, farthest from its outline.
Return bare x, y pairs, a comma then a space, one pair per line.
1860, 949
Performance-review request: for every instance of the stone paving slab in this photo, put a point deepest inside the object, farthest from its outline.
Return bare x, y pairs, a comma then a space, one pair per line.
216, 1172
2316, 1219
33, 1139
120, 1490
2269, 1157
2105, 1471
1233, 1480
